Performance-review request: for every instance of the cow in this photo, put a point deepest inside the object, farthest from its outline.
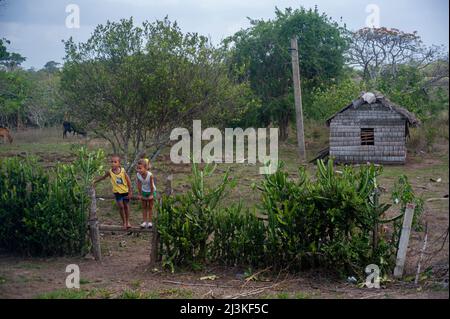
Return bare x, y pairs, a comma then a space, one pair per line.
72, 128
4, 132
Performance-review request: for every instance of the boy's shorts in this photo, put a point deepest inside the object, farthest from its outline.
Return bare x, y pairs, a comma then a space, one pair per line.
121, 197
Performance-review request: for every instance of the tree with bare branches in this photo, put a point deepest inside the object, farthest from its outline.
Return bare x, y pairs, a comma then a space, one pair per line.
381, 51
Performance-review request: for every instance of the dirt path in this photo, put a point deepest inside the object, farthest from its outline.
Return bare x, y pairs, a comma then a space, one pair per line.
125, 273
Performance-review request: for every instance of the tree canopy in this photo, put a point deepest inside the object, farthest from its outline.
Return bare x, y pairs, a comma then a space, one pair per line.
261, 55
133, 84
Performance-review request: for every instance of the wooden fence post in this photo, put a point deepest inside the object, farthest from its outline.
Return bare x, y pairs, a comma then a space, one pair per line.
154, 249
93, 227
404, 240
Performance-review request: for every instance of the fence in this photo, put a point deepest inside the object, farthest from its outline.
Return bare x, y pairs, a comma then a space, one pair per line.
95, 227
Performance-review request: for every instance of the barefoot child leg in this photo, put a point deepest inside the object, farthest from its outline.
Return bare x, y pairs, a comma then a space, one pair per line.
122, 212
144, 213
121, 187
150, 211
146, 187
126, 210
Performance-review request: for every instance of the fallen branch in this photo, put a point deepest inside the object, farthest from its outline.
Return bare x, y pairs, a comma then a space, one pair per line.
436, 199
255, 275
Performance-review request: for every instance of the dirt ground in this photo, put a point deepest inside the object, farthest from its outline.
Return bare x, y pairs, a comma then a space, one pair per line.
125, 272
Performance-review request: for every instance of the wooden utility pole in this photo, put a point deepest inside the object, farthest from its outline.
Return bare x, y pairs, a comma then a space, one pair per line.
298, 99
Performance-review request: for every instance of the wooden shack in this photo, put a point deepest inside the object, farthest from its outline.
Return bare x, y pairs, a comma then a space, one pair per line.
370, 129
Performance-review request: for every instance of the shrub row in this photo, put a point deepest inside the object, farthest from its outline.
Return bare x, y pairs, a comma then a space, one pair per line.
331, 220
44, 212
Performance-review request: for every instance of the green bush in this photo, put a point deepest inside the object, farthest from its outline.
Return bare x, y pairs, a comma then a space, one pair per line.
321, 103
43, 212
326, 222
185, 222
329, 221
238, 237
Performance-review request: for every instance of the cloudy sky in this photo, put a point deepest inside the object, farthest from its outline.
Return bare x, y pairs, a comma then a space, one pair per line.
36, 28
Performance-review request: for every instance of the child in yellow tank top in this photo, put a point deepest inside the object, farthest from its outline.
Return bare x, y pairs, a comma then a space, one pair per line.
121, 187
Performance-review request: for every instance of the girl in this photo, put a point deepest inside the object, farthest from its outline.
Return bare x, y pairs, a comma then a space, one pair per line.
147, 189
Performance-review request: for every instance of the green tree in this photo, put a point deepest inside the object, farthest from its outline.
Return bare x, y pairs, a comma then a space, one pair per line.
260, 54
9, 60
133, 84
44, 106
398, 64
51, 66
14, 88
324, 102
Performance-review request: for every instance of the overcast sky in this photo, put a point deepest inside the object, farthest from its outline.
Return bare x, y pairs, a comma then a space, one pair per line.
36, 27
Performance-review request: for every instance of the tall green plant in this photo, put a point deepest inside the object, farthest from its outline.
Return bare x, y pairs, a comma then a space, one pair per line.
185, 221
330, 221
44, 212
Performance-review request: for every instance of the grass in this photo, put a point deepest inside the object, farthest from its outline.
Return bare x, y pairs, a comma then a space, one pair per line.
66, 294
174, 293
84, 281
96, 293
288, 295
135, 294
26, 265
105, 294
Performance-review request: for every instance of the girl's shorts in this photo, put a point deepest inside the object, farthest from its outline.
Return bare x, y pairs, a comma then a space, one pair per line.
146, 195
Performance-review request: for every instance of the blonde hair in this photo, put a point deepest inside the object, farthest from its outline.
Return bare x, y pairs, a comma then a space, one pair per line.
142, 162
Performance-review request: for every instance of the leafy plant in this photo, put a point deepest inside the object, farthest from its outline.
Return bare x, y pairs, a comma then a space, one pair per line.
185, 222
330, 220
43, 212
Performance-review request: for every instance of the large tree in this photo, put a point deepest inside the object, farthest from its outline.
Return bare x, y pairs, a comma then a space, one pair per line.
9, 60
261, 55
382, 51
13, 87
398, 64
133, 84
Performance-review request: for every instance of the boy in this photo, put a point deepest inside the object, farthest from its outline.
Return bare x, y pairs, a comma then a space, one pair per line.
121, 187
146, 187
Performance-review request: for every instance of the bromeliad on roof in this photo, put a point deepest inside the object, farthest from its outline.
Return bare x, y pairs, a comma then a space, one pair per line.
372, 98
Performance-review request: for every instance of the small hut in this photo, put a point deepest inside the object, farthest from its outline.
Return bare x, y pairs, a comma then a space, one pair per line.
370, 129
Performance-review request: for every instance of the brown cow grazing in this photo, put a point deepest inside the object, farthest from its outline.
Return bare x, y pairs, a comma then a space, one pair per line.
4, 132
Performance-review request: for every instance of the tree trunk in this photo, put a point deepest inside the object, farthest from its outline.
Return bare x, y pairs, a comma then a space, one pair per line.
284, 127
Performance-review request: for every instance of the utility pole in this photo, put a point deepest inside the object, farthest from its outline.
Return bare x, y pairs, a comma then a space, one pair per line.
298, 99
